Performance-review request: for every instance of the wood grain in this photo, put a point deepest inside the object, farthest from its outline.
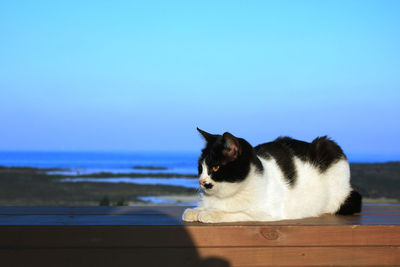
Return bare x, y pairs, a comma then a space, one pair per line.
194, 236
270, 256
156, 236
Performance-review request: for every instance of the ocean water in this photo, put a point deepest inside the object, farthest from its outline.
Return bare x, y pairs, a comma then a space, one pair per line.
185, 182
74, 163
122, 162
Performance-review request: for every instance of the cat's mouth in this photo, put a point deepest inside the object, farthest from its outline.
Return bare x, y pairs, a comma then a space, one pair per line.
206, 187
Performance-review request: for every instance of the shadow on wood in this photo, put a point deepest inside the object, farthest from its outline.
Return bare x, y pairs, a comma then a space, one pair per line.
156, 236
86, 236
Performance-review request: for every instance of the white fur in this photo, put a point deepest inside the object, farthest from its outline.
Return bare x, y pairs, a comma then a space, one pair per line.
268, 197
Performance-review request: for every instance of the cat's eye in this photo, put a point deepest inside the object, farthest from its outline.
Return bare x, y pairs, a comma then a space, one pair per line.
215, 168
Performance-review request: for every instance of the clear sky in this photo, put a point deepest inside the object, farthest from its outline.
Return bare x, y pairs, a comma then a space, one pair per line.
142, 75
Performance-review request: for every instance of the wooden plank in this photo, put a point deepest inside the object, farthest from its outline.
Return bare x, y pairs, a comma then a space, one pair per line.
92, 210
144, 210
261, 236
381, 209
164, 219
196, 236
305, 256
89, 220
150, 236
269, 256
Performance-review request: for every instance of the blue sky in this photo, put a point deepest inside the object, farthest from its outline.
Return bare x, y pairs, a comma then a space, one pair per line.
130, 75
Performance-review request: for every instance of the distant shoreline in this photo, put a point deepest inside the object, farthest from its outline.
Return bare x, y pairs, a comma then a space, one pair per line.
140, 167
44, 171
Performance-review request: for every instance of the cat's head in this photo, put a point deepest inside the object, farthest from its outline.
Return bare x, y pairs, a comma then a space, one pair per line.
224, 163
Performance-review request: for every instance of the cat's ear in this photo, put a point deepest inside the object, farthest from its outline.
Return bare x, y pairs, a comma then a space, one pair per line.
232, 149
207, 136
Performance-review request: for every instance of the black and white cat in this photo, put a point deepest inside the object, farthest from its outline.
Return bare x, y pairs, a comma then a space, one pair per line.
283, 179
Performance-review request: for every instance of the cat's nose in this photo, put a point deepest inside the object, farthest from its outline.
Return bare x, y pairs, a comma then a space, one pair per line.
205, 184
208, 185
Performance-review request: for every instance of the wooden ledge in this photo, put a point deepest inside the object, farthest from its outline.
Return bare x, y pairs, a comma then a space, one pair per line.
156, 236
171, 215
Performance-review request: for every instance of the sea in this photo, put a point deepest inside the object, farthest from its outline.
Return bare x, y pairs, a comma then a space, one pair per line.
95, 162
126, 162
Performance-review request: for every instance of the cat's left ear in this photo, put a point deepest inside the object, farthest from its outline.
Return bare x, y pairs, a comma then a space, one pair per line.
232, 149
207, 136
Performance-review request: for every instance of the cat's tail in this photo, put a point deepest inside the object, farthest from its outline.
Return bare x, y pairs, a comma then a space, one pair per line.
351, 205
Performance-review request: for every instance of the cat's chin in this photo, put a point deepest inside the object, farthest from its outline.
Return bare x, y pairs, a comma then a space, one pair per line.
207, 192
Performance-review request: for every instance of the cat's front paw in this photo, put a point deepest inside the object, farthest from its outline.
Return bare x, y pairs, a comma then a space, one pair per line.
190, 215
211, 216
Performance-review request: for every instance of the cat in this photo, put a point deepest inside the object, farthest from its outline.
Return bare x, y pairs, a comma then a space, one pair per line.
279, 180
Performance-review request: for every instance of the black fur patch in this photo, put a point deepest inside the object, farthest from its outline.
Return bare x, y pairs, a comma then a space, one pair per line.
322, 153
283, 156
229, 170
200, 168
351, 205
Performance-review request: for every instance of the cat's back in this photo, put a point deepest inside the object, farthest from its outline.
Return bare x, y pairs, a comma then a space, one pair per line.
315, 175
321, 153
